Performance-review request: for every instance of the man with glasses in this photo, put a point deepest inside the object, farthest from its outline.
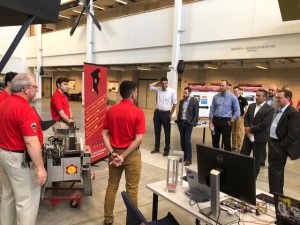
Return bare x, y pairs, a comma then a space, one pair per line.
20, 136
6, 92
224, 110
165, 105
59, 105
284, 140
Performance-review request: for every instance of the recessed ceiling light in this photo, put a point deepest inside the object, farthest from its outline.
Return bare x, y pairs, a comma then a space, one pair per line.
99, 7
211, 66
74, 10
122, 2
263, 66
66, 17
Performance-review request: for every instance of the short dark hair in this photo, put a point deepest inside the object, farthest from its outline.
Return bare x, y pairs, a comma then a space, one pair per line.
237, 87
263, 91
127, 87
188, 89
61, 80
287, 93
9, 76
163, 79
227, 82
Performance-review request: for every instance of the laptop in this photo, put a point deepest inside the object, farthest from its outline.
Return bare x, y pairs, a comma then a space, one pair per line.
287, 210
196, 192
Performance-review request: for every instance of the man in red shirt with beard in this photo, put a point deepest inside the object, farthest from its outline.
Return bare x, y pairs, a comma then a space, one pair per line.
122, 134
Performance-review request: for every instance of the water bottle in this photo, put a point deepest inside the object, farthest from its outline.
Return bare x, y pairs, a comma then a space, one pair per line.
213, 132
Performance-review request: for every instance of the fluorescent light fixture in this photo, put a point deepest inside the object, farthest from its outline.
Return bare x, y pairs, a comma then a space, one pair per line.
77, 69
66, 17
63, 69
99, 7
122, 2
263, 66
211, 66
74, 10
144, 68
50, 69
117, 68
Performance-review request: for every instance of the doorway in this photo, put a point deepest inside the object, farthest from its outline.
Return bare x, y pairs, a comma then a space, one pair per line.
46, 87
146, 98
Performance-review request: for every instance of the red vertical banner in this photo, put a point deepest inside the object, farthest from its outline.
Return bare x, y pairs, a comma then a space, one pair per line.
95, 85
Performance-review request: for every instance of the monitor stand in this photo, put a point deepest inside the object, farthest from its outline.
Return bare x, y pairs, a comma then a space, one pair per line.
214, 212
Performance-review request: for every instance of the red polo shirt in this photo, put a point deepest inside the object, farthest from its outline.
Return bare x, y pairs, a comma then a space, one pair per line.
59, 101
3, 95
124, 121
18, 119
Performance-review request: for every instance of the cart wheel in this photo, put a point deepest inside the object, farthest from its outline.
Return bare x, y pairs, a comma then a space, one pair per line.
87, 182
73, 204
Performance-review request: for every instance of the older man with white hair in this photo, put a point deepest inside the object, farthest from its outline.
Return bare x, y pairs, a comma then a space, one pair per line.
21, 162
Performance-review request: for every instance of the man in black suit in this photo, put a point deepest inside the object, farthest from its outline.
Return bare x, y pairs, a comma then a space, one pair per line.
284, 140
257, 121
187, 118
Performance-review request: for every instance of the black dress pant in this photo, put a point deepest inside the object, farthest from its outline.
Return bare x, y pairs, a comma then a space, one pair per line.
185, 131
162, 118
258, 149
277, 160
221, 126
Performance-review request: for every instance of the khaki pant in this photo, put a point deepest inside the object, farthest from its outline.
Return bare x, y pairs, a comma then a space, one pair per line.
132, 166
238, 132
20, 190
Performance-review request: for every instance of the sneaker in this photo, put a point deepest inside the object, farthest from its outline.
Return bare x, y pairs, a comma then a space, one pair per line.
154, 151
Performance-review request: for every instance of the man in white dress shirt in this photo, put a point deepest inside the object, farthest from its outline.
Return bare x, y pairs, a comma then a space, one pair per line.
165, 106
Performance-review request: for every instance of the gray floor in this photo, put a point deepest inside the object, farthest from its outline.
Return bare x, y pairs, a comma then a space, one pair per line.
154, 169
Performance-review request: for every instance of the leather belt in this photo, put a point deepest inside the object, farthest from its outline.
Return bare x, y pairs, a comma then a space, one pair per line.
15, 151
222, 118
163, 110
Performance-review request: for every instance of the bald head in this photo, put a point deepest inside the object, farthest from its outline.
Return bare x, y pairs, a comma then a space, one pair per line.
272, 90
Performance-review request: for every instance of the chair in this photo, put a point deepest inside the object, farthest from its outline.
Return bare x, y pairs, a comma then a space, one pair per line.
135, 217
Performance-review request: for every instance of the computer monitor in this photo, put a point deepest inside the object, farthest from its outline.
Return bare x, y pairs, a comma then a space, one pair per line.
237, 177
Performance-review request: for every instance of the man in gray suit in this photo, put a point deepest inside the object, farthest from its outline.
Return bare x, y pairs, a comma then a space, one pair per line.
257, 121
187, 118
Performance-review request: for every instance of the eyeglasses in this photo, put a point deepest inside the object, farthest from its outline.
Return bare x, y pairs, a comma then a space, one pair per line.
34, 86
271, 90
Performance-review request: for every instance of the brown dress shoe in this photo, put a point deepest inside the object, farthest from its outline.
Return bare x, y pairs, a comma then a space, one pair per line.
166, 153
154, 151
187, 163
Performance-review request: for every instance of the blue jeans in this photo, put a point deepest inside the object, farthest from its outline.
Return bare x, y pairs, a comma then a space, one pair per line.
185, 131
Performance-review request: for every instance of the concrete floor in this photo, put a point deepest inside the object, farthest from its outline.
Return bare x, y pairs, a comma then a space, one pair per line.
154, 169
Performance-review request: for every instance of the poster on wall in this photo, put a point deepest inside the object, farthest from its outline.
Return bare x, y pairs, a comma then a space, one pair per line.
205, 95
95, 86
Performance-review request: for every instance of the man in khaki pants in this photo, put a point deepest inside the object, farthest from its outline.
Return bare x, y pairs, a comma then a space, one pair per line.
122, 134
20, 133
238, 130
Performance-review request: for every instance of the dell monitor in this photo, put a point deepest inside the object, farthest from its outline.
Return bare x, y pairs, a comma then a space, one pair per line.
237, 172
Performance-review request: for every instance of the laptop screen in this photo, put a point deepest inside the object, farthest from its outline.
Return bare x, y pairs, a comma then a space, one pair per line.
287, 210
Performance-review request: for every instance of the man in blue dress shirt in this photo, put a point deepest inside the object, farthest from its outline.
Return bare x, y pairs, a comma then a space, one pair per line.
224, 111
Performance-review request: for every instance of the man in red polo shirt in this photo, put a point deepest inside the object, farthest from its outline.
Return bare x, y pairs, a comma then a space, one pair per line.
122, 134
59, 105
20, 133
5, 93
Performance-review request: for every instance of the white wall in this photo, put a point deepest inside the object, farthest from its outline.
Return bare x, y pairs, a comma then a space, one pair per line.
213, 29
